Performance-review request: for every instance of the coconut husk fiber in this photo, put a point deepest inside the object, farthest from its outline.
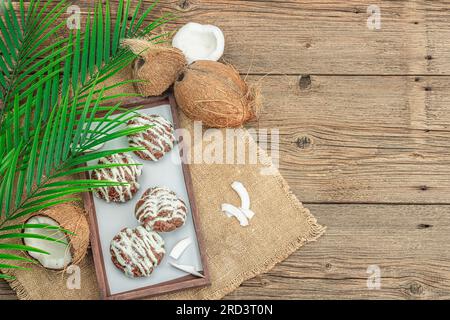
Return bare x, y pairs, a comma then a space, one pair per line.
216, 94
281, 226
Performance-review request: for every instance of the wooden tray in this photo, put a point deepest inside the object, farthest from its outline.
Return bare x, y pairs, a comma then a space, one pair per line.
181, 283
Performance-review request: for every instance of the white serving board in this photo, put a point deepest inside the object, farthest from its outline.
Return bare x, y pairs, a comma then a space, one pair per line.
113, 217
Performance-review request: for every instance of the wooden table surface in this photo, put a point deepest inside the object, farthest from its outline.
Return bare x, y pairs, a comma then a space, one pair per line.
364, 118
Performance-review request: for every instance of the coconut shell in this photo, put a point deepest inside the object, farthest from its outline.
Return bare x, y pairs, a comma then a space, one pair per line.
215, 93
157, 66
72, 218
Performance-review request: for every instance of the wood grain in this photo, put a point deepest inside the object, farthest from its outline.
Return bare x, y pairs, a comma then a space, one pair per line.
370, 139
322, 37
364, 136
6, 293
328, 37
407, 242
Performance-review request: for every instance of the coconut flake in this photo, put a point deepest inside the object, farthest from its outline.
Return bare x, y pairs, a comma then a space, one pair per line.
248, 213
180, 247
232, 211
187, 269
245, 199
59, 255
200, 42
243, 194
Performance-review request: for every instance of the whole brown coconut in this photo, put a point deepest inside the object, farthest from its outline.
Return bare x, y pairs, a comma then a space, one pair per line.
215, 94
71, 218
157, 66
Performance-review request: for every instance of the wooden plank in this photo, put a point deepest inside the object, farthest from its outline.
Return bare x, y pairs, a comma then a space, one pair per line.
328, 37
6, 293
322, 37
362, 139
408, 243
350, 139
354, 139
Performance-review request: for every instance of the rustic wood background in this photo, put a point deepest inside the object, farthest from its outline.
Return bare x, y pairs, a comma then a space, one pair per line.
365, 141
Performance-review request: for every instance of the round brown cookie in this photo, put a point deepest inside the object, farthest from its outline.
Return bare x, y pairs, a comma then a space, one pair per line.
158, 140
136, 252
160, 209
128, 174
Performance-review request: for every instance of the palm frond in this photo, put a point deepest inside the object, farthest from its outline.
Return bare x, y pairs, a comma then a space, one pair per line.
22, 36
52, 111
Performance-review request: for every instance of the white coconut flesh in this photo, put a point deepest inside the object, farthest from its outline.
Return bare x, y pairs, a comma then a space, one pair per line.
59, 255
200, 42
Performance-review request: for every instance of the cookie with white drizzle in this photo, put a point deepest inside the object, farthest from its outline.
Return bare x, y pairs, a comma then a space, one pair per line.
137, 252
160, 209
128, 174
158, 140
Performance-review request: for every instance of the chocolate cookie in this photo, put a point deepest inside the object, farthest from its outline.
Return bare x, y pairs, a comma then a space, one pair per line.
137, 251
160, 209
157, 140
128, 174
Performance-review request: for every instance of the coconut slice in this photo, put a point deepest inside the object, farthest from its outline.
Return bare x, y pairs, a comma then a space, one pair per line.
243, 194
180, 247
248, 213
74, 246
187, 269
200, 42
59, 256
245, 199
232, 211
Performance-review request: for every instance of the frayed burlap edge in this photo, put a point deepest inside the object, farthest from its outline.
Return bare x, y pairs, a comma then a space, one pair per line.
18, 288
315, 231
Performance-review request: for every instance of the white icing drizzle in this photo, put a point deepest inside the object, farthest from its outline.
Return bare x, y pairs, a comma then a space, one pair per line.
138, 248
118, 174
162, 135
158, 200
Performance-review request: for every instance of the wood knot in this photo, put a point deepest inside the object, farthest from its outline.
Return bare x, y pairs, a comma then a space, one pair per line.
424, 226
262, 281
416, 288
184, 4
304, 142
429, 57
328, 266
304, 82
423, 188
428, 88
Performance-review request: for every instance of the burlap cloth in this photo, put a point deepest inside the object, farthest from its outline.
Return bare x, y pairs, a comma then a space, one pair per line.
234, 254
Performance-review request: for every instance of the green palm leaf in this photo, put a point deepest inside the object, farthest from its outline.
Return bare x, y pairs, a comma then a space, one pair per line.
49, 119
16, 51
20, 247
7, 256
